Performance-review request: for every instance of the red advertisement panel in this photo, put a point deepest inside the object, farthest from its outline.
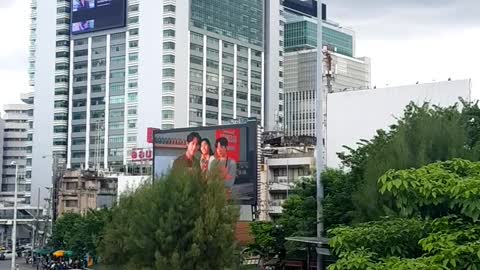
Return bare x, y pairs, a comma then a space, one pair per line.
233, 137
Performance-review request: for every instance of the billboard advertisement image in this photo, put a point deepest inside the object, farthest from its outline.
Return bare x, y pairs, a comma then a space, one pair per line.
94, 15
230, 150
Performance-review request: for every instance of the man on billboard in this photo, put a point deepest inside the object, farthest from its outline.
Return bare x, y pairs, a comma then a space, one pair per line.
188, 160
222, 161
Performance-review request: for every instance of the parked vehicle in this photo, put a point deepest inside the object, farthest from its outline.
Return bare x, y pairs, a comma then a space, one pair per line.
7, 255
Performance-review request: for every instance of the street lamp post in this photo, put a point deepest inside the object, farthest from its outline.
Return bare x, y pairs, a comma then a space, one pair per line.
320, 100
14, 230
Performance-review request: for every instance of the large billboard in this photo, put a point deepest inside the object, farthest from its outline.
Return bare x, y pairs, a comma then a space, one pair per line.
94, 15
308, 7
230, 150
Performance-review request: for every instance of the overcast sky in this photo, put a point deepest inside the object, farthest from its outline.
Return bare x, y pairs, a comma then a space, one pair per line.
407, 40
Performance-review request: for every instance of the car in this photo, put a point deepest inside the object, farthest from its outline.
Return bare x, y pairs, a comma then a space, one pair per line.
7, 255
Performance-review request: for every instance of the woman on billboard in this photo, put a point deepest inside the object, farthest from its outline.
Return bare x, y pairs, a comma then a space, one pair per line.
226, 165
206, 155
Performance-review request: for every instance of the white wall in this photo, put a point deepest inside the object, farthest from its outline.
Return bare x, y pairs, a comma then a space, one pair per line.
149, 68
44, 98
129, 183
355, 115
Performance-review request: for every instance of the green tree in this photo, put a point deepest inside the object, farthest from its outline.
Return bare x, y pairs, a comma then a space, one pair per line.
437, 226
425, 134
80, 234
182, 221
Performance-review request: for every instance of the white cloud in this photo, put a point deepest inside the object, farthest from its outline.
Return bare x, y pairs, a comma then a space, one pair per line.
15, 18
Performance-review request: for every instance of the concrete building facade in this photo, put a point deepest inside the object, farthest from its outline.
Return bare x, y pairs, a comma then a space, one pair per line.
81, 190
341, 73
15, 140
173, 64
361, 113
286, 160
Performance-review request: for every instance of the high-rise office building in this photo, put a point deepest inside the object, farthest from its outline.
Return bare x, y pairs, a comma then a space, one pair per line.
15, 139
105, 72
342, 70
346, 74
2, 126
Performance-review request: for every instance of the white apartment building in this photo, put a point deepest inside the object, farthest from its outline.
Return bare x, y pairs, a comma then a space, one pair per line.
15, 149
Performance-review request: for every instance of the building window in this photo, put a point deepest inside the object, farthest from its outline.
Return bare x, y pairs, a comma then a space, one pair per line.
133, 20
227, 93
133, 8
169, 33
168, 87
98, 75
117, 88
169, 21
133, 84
167, 101
196, 48
116, 113
169, 8
80, 53
71, 203
118, 60
227, 105
80, 90
62, 79
198, 60
133, 32
169, 45
97, 114
118, 36
132, 123
100, 50
115, 139
132, 70
212, 102
132, 111
99, 39
132, 97
120, 73
117, 99
212, 64
78, 103
78, 141
168, 73
97, 101
133, 44
167, 114
98, 62
195, 73
211, 115
195, 99
76, 128
133, 57
212, 77
98, 88
79, 115
169, 59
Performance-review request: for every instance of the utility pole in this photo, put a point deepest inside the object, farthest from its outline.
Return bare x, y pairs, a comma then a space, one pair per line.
35, 226
320, 98
14, 230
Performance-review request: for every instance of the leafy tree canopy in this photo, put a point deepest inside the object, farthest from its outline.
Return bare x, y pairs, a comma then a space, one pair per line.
438, 227
182, 221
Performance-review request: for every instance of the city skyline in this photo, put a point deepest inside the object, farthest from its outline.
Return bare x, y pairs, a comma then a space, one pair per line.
425, 36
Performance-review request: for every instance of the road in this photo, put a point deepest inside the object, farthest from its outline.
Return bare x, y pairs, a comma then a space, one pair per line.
5, 265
